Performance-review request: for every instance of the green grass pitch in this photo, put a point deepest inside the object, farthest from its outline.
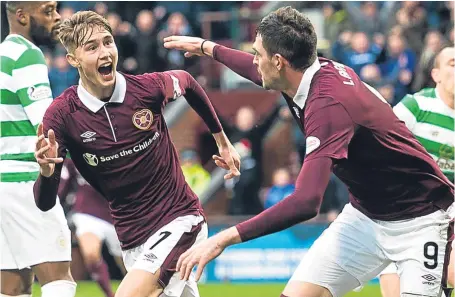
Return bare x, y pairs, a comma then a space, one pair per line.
91, 289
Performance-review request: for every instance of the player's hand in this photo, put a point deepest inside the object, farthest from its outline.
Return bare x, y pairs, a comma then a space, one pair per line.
199, 255
190, 45
46, 151
228, 159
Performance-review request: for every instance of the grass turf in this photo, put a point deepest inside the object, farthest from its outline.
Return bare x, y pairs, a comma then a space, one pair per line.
91, 289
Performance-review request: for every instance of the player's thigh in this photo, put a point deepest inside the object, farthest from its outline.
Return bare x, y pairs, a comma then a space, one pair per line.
304, 289
162, 250
451, 269
16, 282
344, 257
140, 283
424, 264
33, 236
52, 271
90, 246
390, 285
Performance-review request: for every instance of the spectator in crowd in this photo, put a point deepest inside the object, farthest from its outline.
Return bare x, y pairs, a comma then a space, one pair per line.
146, 43
354, 50
281, 188
195, 175
125, 35
247, 136
411, 17
62, 75
434, 41
398, 68
176, 24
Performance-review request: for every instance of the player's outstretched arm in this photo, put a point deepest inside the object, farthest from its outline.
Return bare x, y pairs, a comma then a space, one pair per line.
300, 206
46, 154
238, 61
200, 102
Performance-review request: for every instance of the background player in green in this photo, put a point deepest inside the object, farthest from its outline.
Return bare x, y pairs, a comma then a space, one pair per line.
429, 114
30, 240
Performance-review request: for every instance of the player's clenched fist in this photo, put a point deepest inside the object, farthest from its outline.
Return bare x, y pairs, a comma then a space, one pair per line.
46, 151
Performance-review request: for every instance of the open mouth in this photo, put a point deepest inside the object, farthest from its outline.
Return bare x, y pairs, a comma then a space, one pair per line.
106, 71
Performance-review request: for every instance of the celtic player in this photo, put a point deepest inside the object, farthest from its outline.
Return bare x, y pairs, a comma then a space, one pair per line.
31, 241
429, 114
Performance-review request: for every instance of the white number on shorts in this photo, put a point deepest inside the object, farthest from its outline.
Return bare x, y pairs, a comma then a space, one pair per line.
431, 256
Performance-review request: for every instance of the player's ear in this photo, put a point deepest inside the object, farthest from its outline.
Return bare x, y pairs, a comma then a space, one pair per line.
435, 75
22, 17
72, 60
278, 61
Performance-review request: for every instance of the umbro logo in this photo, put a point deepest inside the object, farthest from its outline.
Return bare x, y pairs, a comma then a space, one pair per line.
429, 277
150, 257
88, 136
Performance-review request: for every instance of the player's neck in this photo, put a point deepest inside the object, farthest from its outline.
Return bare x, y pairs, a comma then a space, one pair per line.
293, 79
446, 97
26, 35
97, 91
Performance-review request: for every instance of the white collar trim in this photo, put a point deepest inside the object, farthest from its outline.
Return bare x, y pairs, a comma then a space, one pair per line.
304, 87
95, 104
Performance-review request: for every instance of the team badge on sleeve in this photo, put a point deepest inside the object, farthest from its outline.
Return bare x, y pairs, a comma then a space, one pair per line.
143, 119
39, 93
312, 143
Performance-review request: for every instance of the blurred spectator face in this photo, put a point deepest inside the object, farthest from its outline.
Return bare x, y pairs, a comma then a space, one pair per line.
245, 119
433, 41
327, 10
114, 21
145, 21
176, 23
369, 9
100, 8
443, 72
281, 177
370, 73
60, 63
387, 92
359, 42
410, 5
396, 45
66, 12
451, 36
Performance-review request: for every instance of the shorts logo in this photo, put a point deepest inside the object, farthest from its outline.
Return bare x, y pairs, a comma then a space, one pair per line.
429, 279
143, 119
150, 257
312, 143
91, 160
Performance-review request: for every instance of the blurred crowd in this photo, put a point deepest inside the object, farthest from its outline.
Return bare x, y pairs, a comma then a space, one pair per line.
391, 45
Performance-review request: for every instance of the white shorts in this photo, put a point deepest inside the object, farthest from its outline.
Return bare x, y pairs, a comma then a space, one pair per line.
105, 231
355, 249
29, 236
163, 249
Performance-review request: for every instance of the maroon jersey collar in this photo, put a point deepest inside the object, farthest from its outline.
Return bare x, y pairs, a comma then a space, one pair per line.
304, 87
95, 104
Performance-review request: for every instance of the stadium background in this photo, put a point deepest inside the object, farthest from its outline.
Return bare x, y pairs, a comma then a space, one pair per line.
389, 44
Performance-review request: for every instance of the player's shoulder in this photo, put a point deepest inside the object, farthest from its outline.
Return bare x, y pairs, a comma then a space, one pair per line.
16, 47
63, 104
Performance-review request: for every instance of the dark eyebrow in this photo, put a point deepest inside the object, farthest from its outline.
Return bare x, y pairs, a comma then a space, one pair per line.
90, 42
255, 51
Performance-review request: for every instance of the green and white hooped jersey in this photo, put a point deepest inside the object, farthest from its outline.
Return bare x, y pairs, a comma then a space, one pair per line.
432, 123
25, 94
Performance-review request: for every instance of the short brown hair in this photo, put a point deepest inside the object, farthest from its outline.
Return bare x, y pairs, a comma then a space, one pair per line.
289, 33
73, 31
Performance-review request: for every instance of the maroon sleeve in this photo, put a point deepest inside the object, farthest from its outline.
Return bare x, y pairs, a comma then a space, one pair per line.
180, 83
238, 61
328, 129
300, 206
45, 188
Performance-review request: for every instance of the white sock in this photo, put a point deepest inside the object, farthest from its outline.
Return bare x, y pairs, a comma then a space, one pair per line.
59, 288
24, 295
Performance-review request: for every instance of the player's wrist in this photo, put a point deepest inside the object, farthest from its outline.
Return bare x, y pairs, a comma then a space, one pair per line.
207, 47
221, 139
229, 237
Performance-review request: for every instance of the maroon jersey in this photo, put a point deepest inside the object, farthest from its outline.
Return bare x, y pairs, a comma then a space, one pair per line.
87, 199
389, 174
123, 149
